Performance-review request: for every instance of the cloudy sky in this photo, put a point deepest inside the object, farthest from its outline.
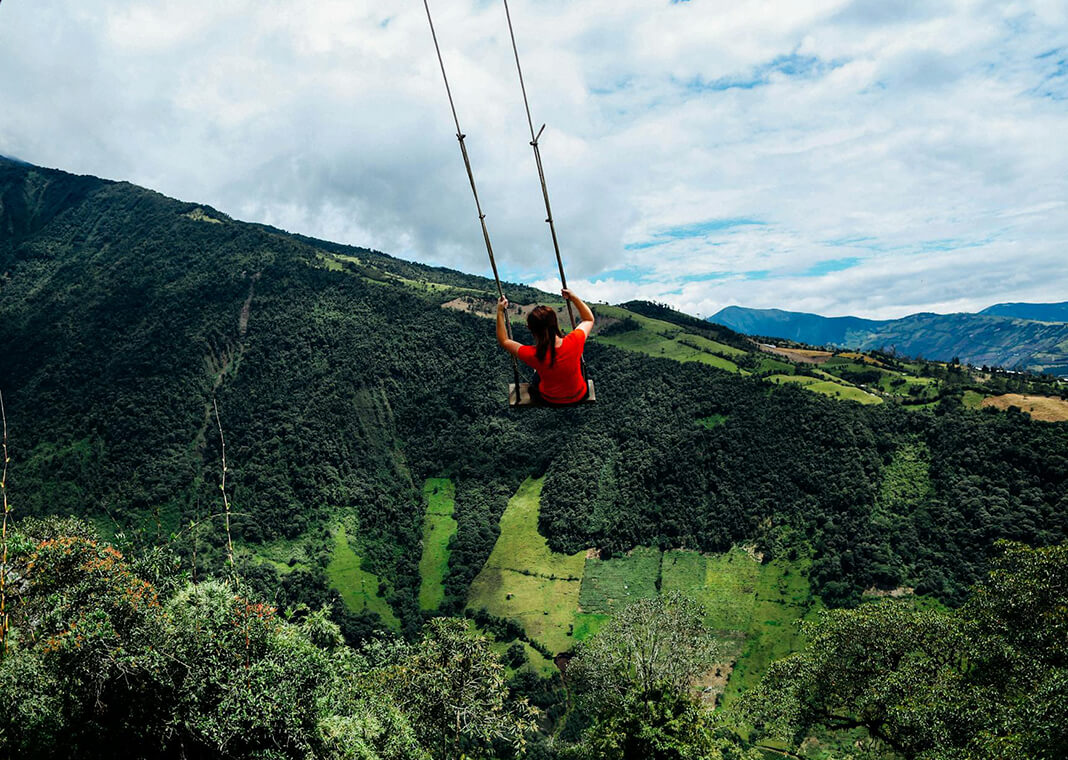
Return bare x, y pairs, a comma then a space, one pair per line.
868, 157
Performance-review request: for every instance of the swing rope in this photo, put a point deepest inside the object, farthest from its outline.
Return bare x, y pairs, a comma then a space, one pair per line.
537, 159
474, 191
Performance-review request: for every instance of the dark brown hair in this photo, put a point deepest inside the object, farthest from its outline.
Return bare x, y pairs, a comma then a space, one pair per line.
543, 326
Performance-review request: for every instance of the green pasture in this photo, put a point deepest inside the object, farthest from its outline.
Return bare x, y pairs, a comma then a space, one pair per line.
667, 328
536, 661
358, 588
754, 609
722, 583
654, 344
927, 386
611, 584
284, 555
702, 343
588, 624
972, 399
767, 364
668, 341
781, 600
523, 580
438, 529
827, 388
329, 262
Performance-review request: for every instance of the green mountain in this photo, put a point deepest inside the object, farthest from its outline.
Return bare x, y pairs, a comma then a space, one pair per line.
792, 325
372, 460
1000, 336
1041, 312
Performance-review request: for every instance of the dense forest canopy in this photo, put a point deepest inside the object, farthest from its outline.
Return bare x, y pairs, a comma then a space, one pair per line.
342, 385
114, 655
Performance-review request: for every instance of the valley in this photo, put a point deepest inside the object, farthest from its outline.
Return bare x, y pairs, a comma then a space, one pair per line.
375, 471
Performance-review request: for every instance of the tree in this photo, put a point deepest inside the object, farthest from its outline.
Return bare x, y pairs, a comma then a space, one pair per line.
451, 685
105, 664
634, 681
987, 681
652, 646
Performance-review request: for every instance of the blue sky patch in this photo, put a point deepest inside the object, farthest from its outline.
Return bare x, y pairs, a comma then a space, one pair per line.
850, 241
694, 230
791, 65
831, 265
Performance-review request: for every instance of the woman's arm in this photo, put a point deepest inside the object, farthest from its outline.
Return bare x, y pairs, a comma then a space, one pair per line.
509, 345
585, 313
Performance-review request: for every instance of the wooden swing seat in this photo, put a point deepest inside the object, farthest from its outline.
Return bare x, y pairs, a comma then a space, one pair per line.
525, 398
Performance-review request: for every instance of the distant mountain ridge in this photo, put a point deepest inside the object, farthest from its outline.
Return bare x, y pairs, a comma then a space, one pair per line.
1040, 312
1020, 336
792, 325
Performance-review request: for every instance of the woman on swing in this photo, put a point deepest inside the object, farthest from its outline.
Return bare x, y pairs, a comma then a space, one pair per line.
555, 358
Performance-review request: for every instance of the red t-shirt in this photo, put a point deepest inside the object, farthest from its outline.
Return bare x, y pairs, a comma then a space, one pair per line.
563, 382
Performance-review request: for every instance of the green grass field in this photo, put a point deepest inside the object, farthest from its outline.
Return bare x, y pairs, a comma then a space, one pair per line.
668, 341
782, 598
358, 588
664, 347
972, 399
753, 608
536, 662
723, 583
438, 528
284, 555
613, 583
889, 381
828, 388
767, 364
524, 581
333, 262
588, 624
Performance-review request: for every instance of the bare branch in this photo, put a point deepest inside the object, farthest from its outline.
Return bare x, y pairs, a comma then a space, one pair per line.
4, 619
222, 487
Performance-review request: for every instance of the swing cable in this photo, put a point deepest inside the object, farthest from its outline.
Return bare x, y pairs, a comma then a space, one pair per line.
537, 158
474, 191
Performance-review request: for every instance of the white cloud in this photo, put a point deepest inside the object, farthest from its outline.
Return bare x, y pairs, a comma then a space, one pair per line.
923, 140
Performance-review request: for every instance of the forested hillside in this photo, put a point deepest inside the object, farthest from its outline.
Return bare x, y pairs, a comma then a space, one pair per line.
342, 385
370, 454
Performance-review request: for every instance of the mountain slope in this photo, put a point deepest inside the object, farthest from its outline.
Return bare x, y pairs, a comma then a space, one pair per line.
343, 385
978, 339
792, 325
1041, 312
